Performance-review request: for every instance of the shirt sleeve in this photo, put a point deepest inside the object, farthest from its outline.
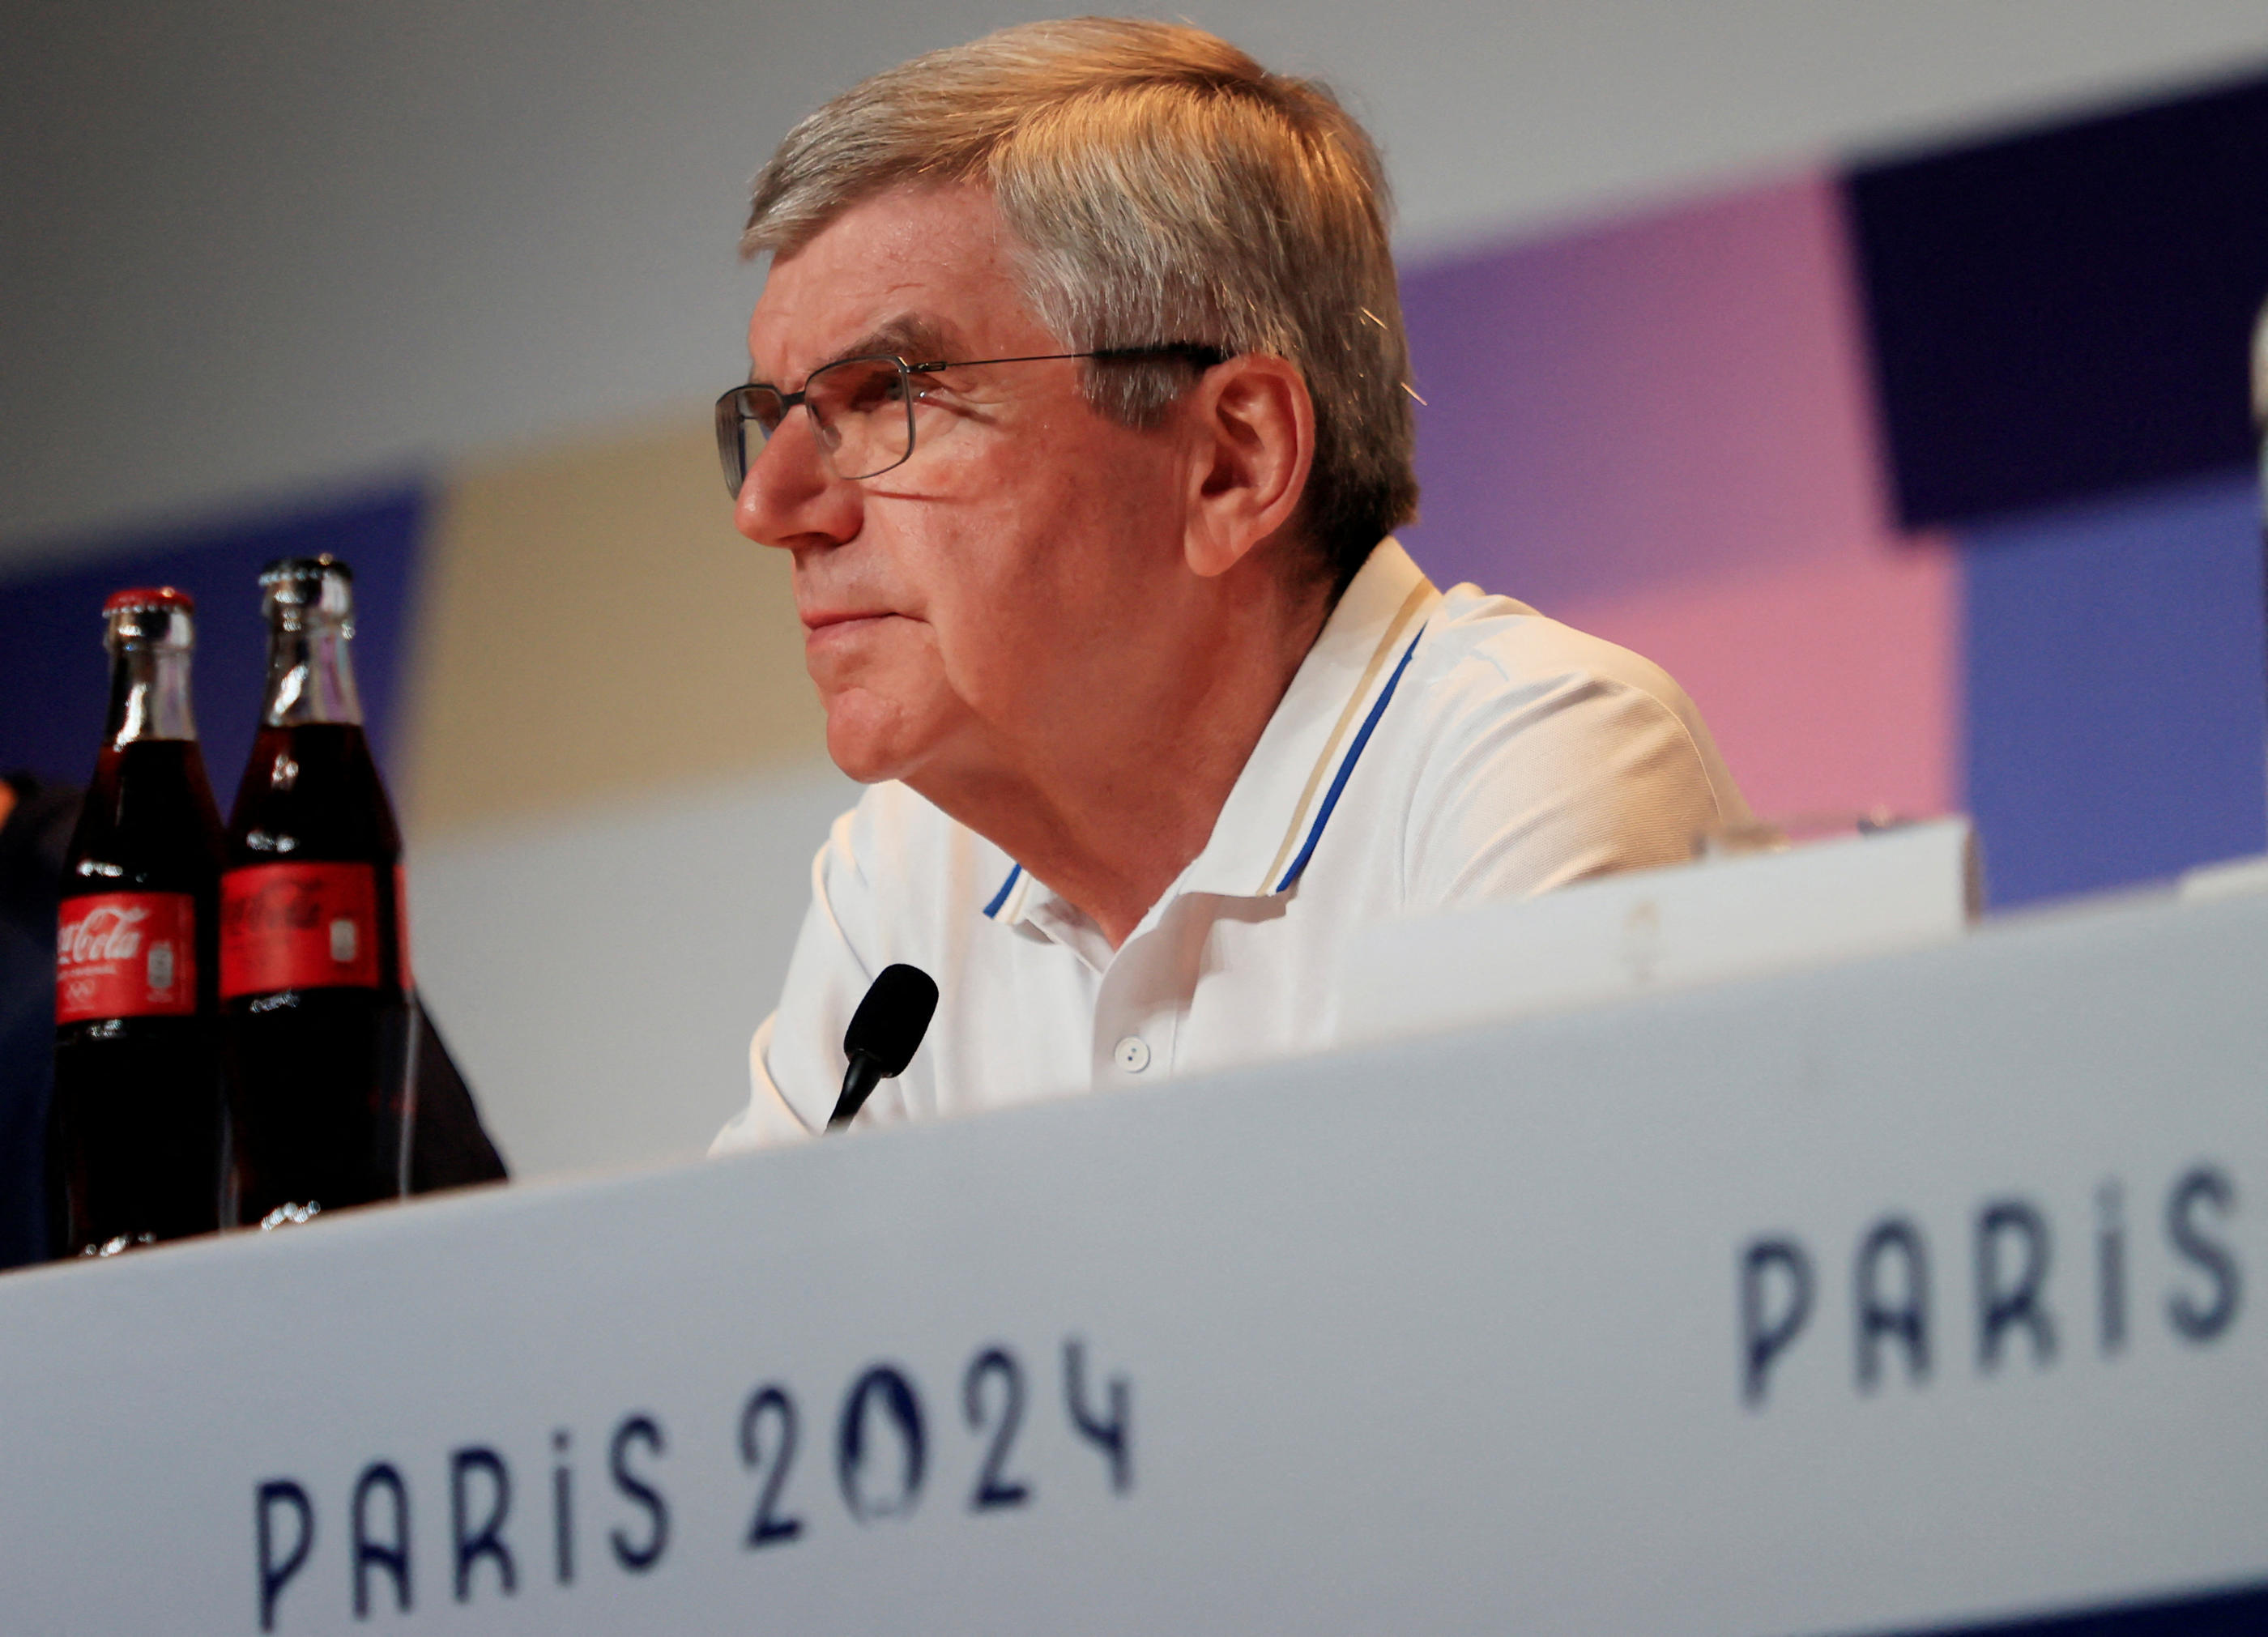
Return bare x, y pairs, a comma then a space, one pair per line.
795, 1062
1595, 763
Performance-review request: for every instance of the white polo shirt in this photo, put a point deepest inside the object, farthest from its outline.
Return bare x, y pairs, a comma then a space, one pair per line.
1433, 750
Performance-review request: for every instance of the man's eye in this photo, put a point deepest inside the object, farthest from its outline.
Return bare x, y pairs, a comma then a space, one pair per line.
869, 390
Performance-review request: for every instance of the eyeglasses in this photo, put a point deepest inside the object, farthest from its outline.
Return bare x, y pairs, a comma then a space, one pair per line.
862, 409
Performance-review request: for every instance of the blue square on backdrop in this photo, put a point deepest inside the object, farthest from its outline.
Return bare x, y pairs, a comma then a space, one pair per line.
2117, 688
54, 679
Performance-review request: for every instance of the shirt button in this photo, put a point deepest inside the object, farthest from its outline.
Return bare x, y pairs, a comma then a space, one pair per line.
1133, 1054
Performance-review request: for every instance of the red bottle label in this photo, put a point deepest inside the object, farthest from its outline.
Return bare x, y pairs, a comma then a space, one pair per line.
297, 926
126, 955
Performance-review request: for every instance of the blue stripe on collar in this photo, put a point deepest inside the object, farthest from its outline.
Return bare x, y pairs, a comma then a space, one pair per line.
992, 910
1353, 754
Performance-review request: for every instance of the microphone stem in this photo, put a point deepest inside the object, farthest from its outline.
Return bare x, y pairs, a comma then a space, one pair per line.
858, 1082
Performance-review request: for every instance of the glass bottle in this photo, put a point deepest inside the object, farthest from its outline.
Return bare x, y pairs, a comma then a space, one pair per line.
315, 982
135, 1132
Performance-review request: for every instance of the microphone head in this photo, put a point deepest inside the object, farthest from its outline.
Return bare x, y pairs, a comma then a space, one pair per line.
891, 1020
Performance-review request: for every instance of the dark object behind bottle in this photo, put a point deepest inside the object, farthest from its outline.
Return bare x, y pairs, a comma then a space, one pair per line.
314, 981
135, 1123
34, 839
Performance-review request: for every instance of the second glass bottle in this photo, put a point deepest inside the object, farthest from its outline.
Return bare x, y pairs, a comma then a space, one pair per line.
314, 964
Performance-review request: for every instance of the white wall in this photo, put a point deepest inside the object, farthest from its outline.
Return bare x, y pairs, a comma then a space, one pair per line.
253, 247
598, 976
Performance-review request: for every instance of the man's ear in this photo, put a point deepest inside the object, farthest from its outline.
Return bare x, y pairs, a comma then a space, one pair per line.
1252, 428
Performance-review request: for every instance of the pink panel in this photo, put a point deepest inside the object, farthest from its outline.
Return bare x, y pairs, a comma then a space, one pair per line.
1831, 685
1663, 430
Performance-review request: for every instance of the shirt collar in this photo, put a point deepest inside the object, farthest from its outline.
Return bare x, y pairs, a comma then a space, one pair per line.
1291, 772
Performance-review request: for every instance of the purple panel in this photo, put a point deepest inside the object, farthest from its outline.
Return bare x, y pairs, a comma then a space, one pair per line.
2066, 313
1678, 399
2235, 1614
53, 677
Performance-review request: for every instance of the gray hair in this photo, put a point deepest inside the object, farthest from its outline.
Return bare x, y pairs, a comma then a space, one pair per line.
1163, 188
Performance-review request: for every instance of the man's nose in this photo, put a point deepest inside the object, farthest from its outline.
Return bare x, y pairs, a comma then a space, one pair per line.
792, 498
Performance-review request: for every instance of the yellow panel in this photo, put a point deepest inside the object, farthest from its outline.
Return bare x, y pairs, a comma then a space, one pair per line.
590, 626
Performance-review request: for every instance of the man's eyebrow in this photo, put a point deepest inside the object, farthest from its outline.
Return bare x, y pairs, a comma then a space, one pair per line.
909, 335
912, 336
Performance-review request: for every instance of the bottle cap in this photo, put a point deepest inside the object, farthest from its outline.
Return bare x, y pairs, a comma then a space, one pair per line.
316, 567
152, 614
292, 588
149, 597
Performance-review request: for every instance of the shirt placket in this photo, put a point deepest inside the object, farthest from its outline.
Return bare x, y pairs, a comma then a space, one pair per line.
1142, 1008
1141, 991
1137, 1016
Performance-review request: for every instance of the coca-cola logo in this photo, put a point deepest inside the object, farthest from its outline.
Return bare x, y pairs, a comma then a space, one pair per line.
274, 906
125, 954
289, 925
107, 933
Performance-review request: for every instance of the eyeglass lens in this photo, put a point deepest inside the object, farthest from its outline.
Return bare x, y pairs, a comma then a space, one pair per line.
861, 411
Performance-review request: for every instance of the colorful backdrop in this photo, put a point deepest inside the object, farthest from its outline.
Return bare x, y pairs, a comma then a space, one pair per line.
1929, 476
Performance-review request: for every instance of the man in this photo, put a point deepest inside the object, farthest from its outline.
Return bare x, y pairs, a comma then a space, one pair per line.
1078, 396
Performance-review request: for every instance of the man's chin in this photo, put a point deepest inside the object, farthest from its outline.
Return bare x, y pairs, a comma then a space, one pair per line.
869, 744
867, 770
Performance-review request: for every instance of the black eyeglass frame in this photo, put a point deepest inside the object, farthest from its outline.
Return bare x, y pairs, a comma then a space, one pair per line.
732, 414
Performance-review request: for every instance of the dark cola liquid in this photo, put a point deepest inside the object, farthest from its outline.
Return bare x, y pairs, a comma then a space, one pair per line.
316, 1068
135, 1132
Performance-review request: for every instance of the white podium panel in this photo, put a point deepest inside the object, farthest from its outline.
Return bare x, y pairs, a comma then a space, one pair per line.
1652, 931
1917, 1292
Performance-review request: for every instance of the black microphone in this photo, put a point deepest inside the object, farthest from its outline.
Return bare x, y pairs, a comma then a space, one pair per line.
884, 1033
